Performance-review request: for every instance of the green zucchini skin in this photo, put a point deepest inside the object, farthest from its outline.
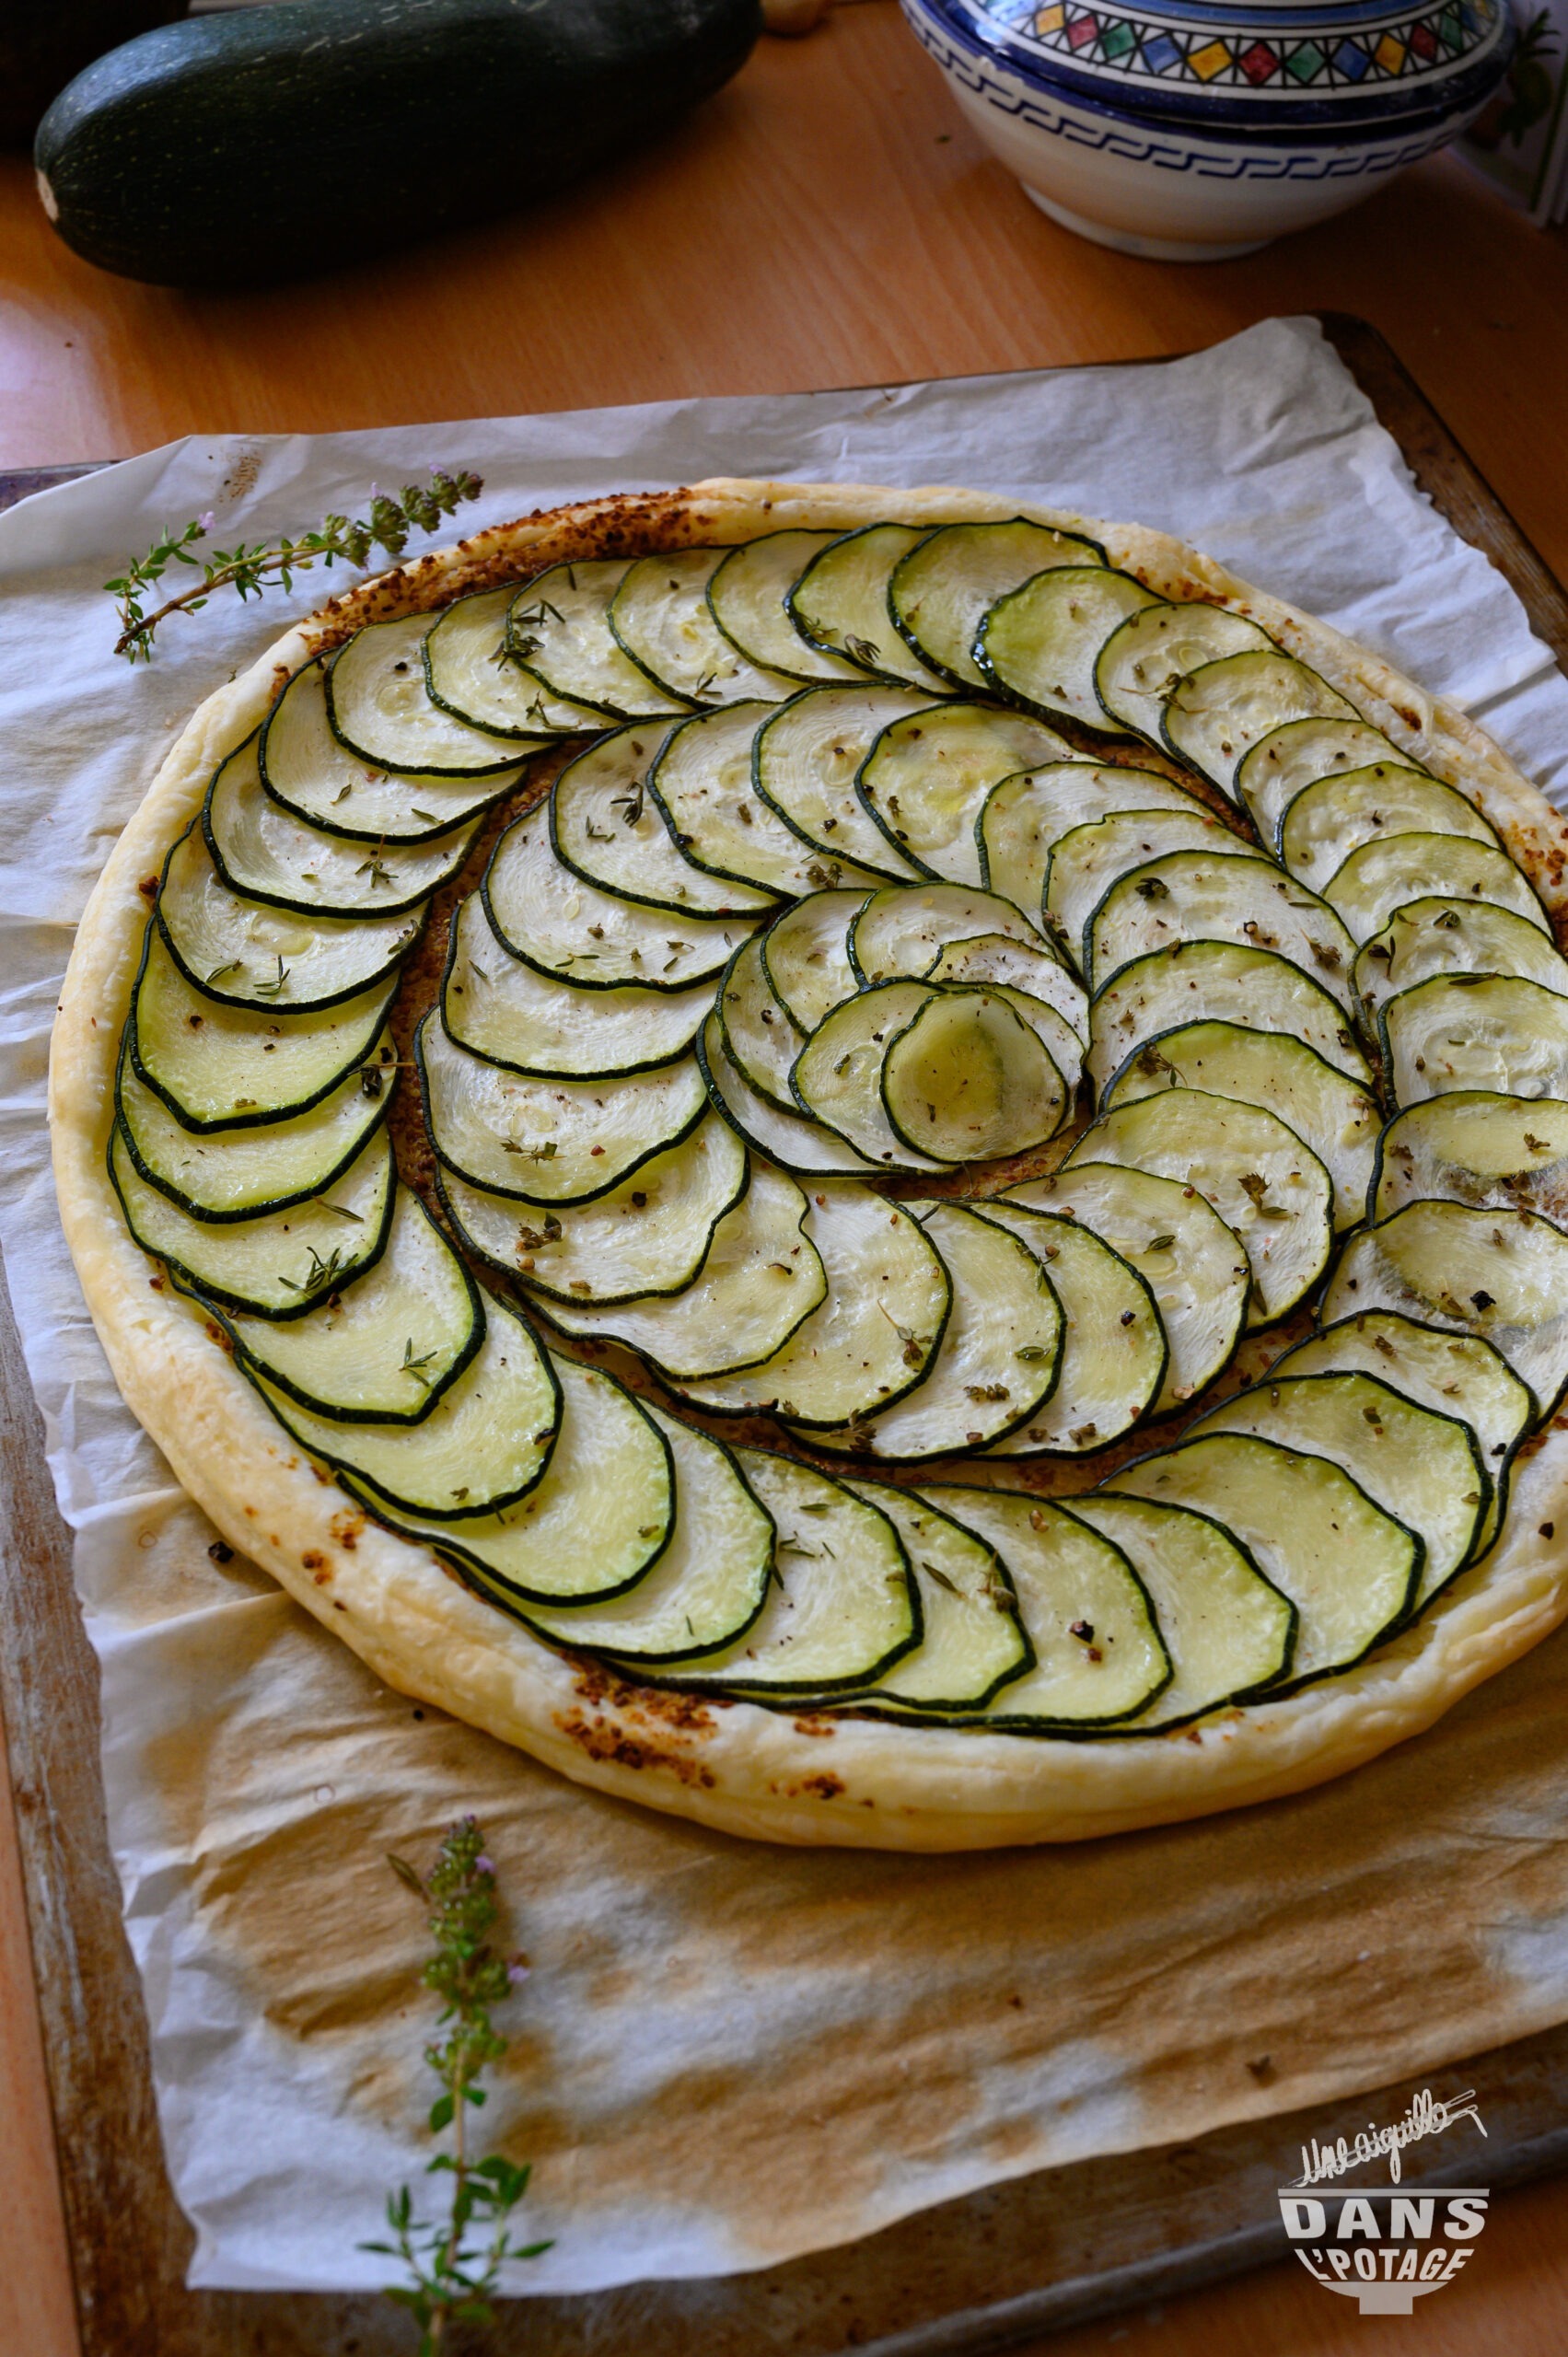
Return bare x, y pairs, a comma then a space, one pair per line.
264, 143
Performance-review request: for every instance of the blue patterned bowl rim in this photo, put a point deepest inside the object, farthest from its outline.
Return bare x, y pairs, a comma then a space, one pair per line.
1282, 77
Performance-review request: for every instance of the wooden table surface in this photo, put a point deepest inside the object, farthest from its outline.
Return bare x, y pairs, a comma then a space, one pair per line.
828, 220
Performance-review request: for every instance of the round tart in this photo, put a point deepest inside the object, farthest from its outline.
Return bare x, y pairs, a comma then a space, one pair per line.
875, 1169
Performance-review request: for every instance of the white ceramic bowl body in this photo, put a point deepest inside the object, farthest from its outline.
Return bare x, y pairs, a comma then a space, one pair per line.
1190, 130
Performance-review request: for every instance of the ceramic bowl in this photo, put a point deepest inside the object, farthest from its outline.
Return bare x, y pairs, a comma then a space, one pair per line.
1189, 130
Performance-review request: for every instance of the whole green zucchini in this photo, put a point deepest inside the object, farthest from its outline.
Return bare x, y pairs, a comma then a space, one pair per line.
236, 148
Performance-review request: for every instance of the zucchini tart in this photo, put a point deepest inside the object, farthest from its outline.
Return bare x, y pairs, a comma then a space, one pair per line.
874, 1168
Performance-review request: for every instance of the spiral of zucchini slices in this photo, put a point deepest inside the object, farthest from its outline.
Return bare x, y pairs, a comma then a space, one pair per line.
948, 997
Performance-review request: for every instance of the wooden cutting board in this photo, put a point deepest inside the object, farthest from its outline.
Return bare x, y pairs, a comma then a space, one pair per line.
971, 2276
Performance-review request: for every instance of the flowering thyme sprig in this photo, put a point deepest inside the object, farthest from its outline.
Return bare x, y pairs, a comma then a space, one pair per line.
454, 2280
248, 568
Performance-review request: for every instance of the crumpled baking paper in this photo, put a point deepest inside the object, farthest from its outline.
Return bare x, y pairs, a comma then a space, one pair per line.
728, 2054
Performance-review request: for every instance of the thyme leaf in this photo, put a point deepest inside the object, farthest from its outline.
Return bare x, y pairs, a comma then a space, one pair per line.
454, 2267
249, 568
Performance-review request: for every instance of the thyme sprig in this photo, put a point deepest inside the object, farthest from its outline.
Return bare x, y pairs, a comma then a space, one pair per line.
454, 2265
248, 567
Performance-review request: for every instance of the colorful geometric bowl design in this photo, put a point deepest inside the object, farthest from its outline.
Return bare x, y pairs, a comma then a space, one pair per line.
1360, 58
1300, 109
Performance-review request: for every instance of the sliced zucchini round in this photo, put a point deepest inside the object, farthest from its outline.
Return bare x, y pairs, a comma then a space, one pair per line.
1221, 981
836, 1077
746, 598
804, 1147
709, 1584
805, 761
1114, 1353
1466, 1031
471, 672
1269, 1189
607, 826
1195, 1266
703, 784
971, 1640
1062, 1043
249, 955
1000, 1352
927, 775
1421, 1467
307, 771
1154, 650
1326, 822
514, 1015
1295, 755
806, 956
1023, 817
267, 1166
1459, 1374
602, 1512
970, 1080
378, 707
661, 618
555, 923
1501, 1275
1214, 895
549, 1141
759, 1278
870, 1340
221, 1067
842, 1607
1216, 715
261, 850
650, 1235
1476, 1146
1229, 1631
384, 1347
1023, 971
1387, 874
558, 627
1329, 1112
482, 1446
1349, 1569
1086, 861
1438, 937
280, 1263
760, 1037
1039, 643
1098, 1656
939, 593
902, 930
840, 605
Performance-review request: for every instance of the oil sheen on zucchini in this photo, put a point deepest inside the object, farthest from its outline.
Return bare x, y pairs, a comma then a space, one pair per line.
706, 1587
1000, 1353
1098, 1655
758, 1279
575, 1536
384, 1347
841, 1609
650, 1235
939, 593
278, 1264
869, 1340
1349, 1569
483, 1445
225, 1067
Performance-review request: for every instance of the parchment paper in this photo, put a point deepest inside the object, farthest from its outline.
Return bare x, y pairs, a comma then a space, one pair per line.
728, 2054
